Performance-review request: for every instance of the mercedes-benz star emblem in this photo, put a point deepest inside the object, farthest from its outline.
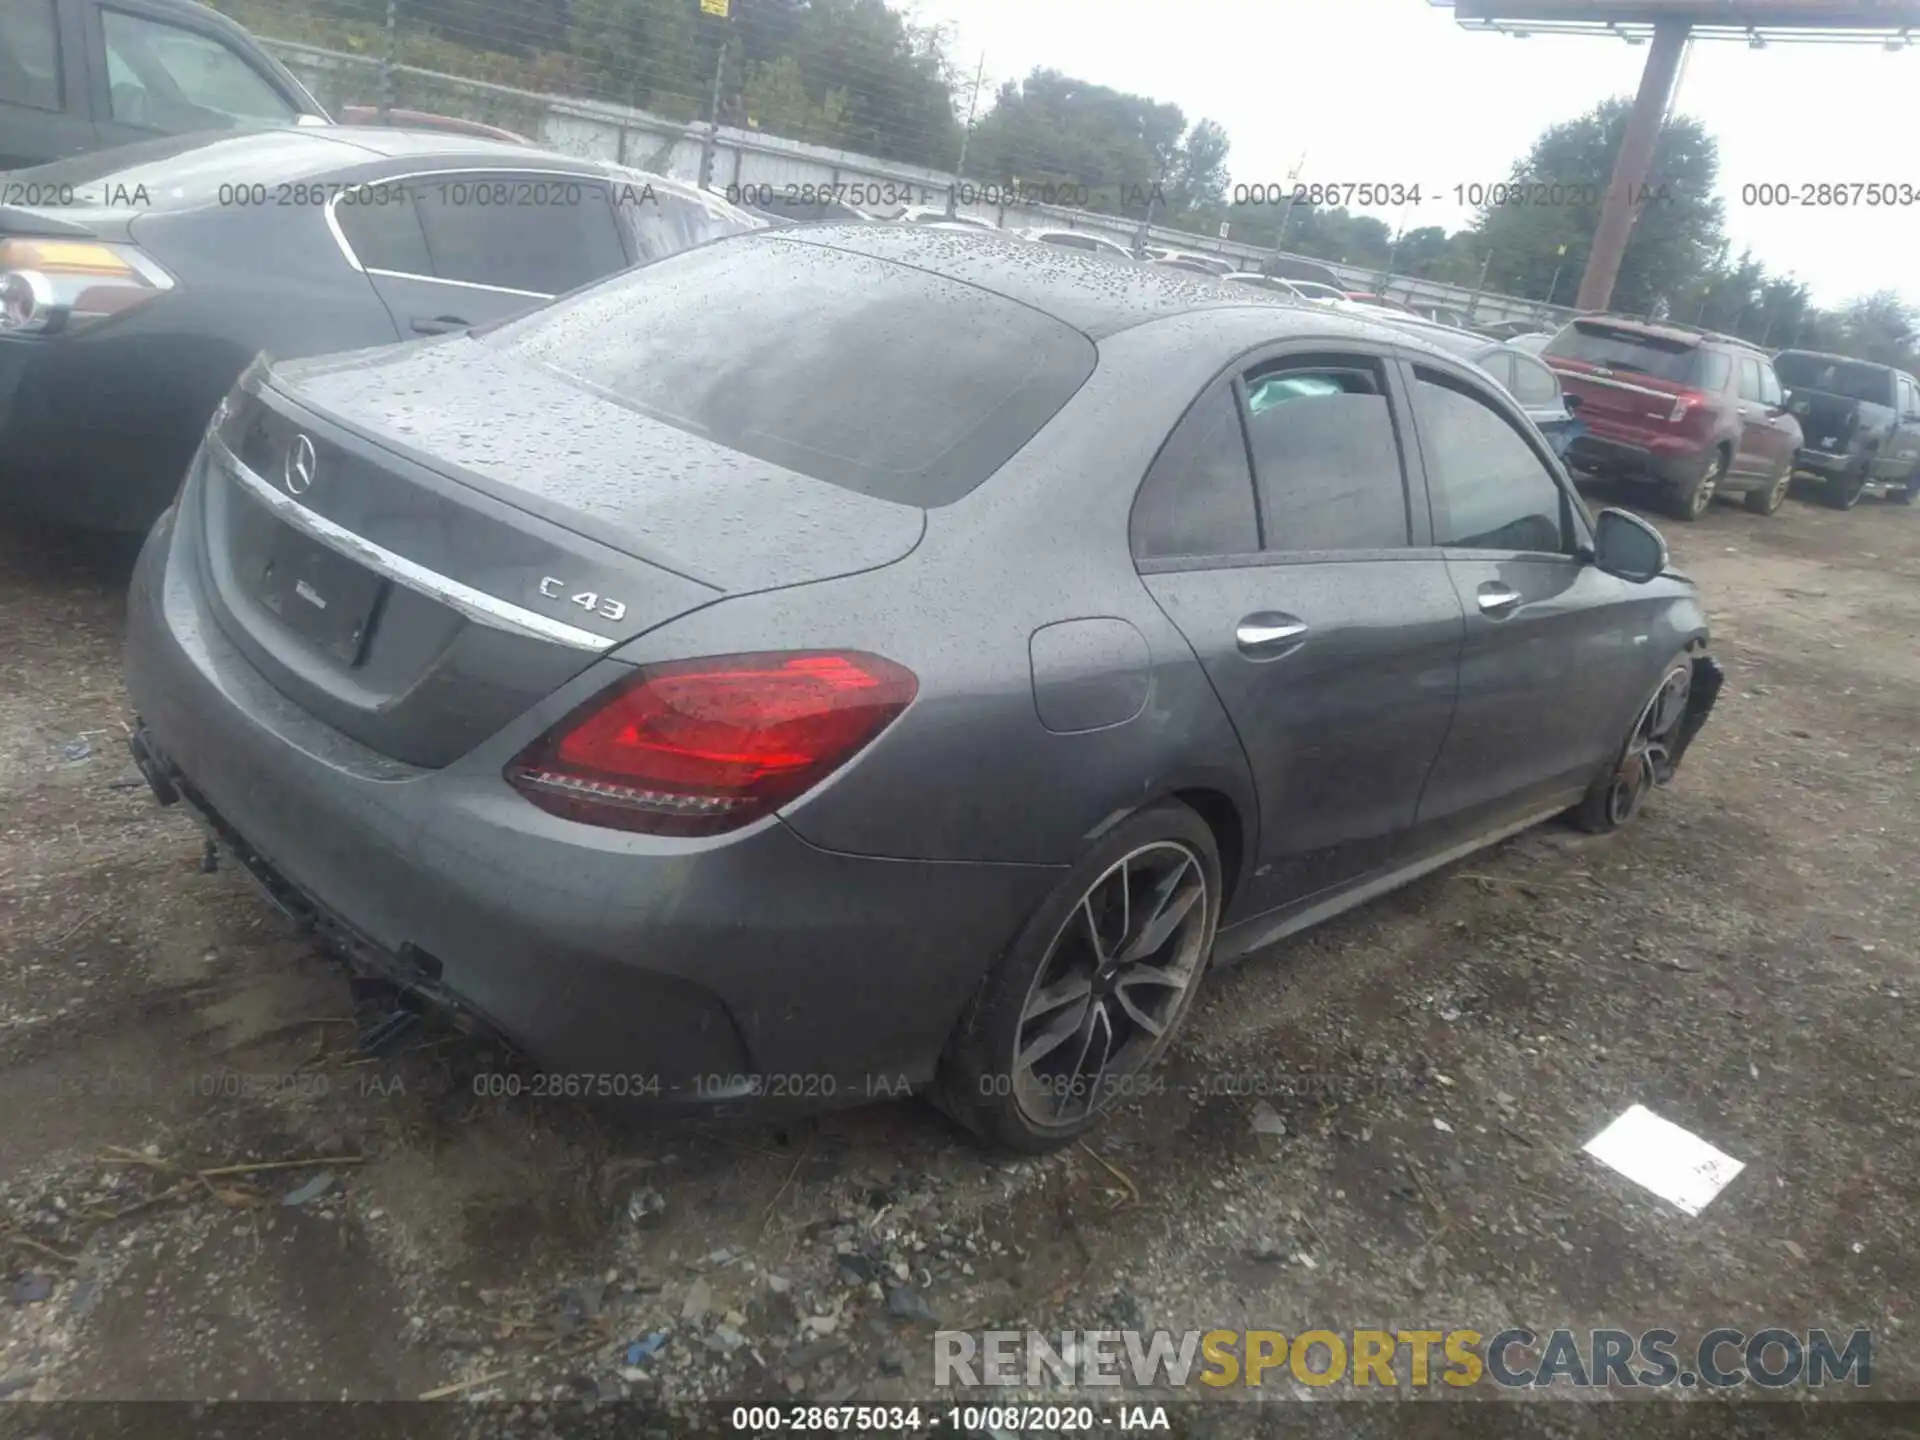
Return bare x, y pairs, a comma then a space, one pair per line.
298, 471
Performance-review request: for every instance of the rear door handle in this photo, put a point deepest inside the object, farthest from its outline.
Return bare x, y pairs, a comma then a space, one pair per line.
1268, 635
439, 324
1497, 599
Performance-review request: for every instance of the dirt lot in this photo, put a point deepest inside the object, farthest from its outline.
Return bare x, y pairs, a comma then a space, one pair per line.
1745, 961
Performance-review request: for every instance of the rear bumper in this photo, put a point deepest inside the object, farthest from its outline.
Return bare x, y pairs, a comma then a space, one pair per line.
1822, 465
1659, 460
699, 963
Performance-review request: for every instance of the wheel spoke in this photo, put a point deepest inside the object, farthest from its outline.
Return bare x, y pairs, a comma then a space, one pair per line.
1100, 953
1096, 1028
1170, 905
1139, 1017
1062, 992
1056, 1034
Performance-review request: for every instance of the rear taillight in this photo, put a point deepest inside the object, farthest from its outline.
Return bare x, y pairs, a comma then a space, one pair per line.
1683, 403
697, 747
49, 286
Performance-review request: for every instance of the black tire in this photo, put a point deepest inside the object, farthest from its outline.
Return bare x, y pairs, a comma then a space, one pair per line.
1769, 500
1904, 495
1617, 794
1844, 493
1689, 500
982, 1083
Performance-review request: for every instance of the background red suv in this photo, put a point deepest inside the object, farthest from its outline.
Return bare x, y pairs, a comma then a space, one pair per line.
1690, 412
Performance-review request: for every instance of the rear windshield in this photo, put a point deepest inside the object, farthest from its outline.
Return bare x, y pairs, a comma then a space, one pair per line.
881, 378
1850, 378
1674, 360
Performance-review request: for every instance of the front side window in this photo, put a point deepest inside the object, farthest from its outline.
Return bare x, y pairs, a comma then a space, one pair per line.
166, 77
1490, 489
1326, 459
1197, 500
1769, 385
543, 234
1749, 378
29, 55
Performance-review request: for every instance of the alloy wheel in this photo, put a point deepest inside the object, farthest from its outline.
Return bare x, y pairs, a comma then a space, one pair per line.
1114, 981
1702, 497
1648, 761
1778, 495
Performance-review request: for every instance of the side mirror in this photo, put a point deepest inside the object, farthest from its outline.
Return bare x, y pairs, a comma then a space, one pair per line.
1572, 402
1627, 546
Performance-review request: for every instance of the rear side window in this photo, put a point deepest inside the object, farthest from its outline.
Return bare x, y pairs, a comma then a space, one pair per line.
29, 54
1326, 461
1629, 351
662, 223
1533, 383
1716, 369
384, 232
876, 376
1854, 379
170, 78
543, 234
1499, 364
1490, 488
1197, 500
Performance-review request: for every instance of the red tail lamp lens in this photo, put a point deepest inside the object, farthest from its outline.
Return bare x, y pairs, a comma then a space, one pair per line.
697, 747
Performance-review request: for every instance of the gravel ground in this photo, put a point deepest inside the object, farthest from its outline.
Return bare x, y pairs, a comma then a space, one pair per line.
1377, 1125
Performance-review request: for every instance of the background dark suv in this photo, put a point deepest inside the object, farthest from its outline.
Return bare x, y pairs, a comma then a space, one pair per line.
1862, 424
1691, 412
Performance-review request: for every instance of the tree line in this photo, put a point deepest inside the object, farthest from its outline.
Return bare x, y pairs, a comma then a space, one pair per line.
862, 76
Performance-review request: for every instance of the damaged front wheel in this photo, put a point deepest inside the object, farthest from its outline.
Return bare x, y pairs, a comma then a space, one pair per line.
1647, 760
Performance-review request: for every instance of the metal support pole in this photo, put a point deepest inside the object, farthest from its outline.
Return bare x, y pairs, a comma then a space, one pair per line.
712, 141
387, 62
1618, 212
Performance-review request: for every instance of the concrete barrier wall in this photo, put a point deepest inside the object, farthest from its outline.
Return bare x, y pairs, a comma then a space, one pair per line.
750, 158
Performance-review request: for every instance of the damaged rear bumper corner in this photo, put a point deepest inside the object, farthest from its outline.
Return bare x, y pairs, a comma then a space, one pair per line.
1702, 695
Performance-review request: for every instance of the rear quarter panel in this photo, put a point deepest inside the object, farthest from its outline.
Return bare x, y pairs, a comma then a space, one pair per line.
970, 772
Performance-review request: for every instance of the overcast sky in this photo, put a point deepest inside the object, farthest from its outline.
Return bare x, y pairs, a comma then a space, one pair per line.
1395, 91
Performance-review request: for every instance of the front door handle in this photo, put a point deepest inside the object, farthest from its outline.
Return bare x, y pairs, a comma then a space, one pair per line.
1268, 635
439, 324
1497, 599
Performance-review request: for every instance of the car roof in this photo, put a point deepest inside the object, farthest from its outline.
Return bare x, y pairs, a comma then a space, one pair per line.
1670, 331
1095, 296
1839, 359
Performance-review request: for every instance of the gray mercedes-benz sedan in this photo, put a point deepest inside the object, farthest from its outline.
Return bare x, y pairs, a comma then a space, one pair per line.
832, 660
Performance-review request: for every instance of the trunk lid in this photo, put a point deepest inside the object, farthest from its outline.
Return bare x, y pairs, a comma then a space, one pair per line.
1828, 422
418, 543
1622, 376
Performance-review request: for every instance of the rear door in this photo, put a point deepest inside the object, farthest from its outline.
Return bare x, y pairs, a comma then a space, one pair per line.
1782, 431
457, 248
1547, 652
1278, 531
44, 114
1905, 446
1753, 454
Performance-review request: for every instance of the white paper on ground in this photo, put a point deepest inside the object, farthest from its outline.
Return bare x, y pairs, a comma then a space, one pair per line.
1674, 1164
